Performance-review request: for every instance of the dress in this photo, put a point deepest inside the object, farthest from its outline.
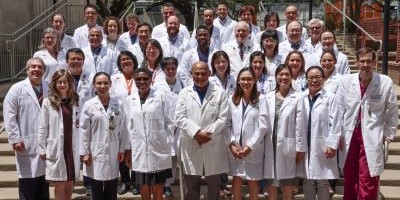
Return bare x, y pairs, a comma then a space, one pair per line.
68, 154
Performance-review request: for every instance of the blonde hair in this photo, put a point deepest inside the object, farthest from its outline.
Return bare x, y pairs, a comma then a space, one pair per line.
58, 41
54, 94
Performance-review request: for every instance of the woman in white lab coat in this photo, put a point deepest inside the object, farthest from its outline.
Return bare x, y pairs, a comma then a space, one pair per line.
269, 45
245, 142
280, 140
295, 60
332, 78
221, 72
58, 24
152, 60
149, 124
102, 143
58, 142
265, 82
112, 30
316, 141
51, 52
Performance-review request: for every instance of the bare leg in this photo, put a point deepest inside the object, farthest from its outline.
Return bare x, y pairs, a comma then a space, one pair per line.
272, 192
157, 190
287, 192
237, 188
253, 189
145, 192
68, 189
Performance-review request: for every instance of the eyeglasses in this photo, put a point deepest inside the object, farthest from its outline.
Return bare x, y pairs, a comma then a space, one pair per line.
142, 79
312, 78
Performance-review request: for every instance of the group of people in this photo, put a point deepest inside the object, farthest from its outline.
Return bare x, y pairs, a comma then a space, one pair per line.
266, 107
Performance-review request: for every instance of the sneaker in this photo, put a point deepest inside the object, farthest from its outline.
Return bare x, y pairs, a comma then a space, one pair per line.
225, 191
88, 192
167, 192
123, 188
331, 191
135, 191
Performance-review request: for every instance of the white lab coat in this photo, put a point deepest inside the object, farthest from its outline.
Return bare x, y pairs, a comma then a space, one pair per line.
324, 117
232, 49
103, 64
211, 116
185, 65
332, 83
246, 126
379, 116
342, 64
81, 35
125, 38
300, 83
149, 128
257, 37
273, 64
266, 83
119, 89
21, 112
286, 134
215, 40
177, 49
97, 140
285, 48
160, 31
52, 65
226, 31
311, 48
254, 30
51, 142
113, 50
230, 85
68, 42
136, 51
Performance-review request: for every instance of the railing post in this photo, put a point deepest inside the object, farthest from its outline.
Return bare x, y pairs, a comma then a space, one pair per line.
12, 62
344, 23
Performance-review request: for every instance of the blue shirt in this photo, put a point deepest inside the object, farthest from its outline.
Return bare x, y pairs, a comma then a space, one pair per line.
202, 94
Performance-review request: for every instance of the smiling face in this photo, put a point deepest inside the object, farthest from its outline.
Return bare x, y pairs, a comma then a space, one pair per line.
284, 79
208, 17
102, 85
126, 65
222, 11
246, 16
35, 72
132, 24
152, 52
257, 64
269, 45
50, 40
75, 63
95, 37
200, 74
294, 31
90, 16
272, 23
170, 70
112, 27
221, 65
328, 63
366, 64
172, 26
144, 34
291, 13
58, 24
295, 63
62, 86
246, 81
315, 81
242, 32
327, 40
167, 12
143, 82
203, 37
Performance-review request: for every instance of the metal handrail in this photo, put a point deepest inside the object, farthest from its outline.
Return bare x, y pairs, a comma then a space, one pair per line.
34, 26
127, 10
358, 26
39, 16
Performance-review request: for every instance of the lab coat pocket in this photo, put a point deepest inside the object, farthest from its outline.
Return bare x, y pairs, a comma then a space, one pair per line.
30, 145
375, 109
288, 147
319, 147
51, 149
100, 151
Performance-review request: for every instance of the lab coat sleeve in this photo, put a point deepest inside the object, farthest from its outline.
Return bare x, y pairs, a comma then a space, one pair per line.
182, 119
340, 109
10, 113
334, 137
229, 137
256, 139
185, 69
391, 115
124, 127
43, 131
219, 124
85, 129
168, 117
301, 126
264, 124
122, 136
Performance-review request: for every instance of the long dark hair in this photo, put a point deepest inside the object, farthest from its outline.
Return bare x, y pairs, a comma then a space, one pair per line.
238, 93
215, 56
270, 34
280, 68
253, 56
158, 46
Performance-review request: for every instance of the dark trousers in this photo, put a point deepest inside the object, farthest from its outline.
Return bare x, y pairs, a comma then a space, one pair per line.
192, 186
125, 173
33, 188
103, 190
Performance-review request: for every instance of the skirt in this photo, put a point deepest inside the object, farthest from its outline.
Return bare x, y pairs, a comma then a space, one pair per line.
152, 178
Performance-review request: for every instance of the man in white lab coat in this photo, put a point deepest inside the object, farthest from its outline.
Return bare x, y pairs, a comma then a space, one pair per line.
22, 107
291, 14
82, 32
224, 23
368, 109
130, 37
208, 19
201, 114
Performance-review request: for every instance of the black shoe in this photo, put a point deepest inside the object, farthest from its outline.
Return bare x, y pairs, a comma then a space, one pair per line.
88, 192
135, 191
167, 191
123, 188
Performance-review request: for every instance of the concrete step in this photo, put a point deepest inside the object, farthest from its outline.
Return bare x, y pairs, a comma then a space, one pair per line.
6, 150
394, 148
393, 162
7, 163
3, 136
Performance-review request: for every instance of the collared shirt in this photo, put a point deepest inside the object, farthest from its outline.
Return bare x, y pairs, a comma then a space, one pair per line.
173, 39
202, 94
133, 38
96, 52
203, 56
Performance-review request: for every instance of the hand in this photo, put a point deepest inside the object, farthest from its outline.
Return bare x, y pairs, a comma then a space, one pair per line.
128, 159
202, 137
330, 153
42, 156
299, 157
245, 151
121, 157
341, 144
87, 159
18, 147
235, 148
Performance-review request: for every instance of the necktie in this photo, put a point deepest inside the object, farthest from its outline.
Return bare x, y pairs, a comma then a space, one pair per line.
296, 46
39, 94
133, 39
241, 51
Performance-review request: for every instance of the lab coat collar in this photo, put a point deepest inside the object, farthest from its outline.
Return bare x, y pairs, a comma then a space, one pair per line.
32, 94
